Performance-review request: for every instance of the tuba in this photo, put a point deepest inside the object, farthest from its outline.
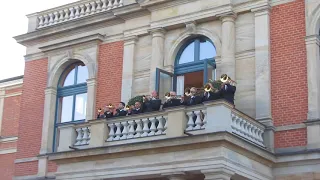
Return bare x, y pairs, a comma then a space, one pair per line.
207, 87
187, 92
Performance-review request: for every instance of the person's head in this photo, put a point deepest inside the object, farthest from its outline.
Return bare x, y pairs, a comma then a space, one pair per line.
173, 94
121, 105
137, 105
193, 91
154, 94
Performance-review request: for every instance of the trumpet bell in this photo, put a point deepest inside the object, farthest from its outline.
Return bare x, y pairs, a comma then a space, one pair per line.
224, 78
167, 95
99, 110
187, 92
207, 88
127, 107
110, 106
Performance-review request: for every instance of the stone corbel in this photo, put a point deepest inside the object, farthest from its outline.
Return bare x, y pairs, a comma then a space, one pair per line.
191, 27
157, 32
130, 40
218, 173
225, 17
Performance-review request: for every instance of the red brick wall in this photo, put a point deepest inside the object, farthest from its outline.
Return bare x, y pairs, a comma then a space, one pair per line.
7, 166
11, 114
30, 124
289, 91
109, 74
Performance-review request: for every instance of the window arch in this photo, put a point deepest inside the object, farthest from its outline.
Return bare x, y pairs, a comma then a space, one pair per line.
72, 94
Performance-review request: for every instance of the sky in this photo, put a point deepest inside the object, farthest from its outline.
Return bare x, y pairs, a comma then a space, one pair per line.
14, 22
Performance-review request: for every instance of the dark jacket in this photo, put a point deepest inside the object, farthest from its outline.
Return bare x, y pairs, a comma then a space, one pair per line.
227, 93
172, 103
135, 111
100, 116
152, 105
121, 112
108, 114
210, 96
194, 100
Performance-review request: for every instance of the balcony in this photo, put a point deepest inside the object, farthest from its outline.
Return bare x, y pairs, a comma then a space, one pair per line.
208, 118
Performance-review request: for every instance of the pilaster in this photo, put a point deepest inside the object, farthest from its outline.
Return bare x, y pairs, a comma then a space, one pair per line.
157, 59
313, 72
128, 64
2, 94
228, 50
218, 174
48, 120
91, 97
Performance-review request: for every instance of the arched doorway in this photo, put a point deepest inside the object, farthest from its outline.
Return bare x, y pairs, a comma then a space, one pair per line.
194, 66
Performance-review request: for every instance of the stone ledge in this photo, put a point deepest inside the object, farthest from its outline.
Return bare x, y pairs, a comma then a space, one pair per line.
311, 122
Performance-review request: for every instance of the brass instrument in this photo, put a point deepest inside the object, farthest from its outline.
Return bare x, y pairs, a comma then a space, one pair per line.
207, 87
127, 107
187, 92
110, 106
99, 110
226, 79
167, 95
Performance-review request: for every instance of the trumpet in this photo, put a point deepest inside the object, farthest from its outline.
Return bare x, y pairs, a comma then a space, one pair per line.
99, 110
187, 92
207, 87
226, 79
127, 107
110, 106
167, 95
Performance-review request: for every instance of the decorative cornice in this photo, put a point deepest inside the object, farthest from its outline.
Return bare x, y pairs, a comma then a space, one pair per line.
91, 38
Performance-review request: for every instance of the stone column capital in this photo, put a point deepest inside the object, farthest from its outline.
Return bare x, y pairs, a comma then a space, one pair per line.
262, 10
175, 175
91, 82
312, 39
218, 174
129, 40
158, 32
50, 90
228, 17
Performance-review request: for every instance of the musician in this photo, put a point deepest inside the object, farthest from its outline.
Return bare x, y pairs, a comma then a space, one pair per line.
211, 93
227, 89
108, 112
171, 100
121, 111
137, 108
100, 115
151, 103
194, 99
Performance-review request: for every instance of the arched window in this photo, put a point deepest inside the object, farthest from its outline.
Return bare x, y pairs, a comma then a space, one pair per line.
72, 94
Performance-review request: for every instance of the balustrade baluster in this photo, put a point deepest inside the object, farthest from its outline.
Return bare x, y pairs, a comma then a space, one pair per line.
89, 135
41, 21
77, 12
71, 13
109, 5
111, 132
254, 134
93, 7
115, 4
165, 125
153, 127
160, 127
139, 130
104, 5
83, 10
121, 3
118, 132
131, 130
61, 15
146, 129
190, 123
51, 17
260, 137
85, 137
88, 9
198, 121
204, 112
98, 6
125, 130
56, 17
79, 137
46, 20
66, 14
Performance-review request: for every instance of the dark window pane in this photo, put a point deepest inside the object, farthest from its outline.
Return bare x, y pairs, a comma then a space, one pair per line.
187, 54
82, 75
207, 50
81, 106
66, 109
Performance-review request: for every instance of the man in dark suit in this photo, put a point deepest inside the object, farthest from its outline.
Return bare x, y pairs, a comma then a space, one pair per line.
137, 108
121, 111
151, 103
214, 94
194, 99
227, 92
108, 113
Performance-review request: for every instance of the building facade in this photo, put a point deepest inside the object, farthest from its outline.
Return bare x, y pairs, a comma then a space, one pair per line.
84, 55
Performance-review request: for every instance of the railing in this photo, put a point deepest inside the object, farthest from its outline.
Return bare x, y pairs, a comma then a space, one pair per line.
76, 12
207, 118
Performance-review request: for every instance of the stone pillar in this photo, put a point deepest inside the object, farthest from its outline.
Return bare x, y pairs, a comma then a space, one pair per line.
263, 73
48, 120
67, 137
157, 59
128, 64
32, 22
2, 94
91, 99
228, 50
99, 132
177, 122
218, 174
313, 68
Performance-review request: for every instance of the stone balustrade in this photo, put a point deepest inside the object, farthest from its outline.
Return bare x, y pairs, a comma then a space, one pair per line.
210, 117
80, 10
